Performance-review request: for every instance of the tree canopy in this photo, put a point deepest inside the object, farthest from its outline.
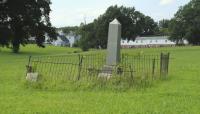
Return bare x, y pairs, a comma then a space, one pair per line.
186, 23
67, 30
22, 19
133, 23
163, 26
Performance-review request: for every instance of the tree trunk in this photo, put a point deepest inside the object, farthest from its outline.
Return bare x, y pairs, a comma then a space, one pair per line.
15, 44
15, 48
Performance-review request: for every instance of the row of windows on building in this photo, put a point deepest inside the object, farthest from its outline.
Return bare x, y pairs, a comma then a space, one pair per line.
149, 41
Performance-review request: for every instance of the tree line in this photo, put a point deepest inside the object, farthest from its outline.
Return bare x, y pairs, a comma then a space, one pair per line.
22, 19
185, 25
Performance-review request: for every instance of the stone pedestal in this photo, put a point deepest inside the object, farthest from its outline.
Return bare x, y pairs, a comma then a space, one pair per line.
107, 71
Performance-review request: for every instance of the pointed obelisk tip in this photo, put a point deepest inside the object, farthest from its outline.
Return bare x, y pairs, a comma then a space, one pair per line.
115, 21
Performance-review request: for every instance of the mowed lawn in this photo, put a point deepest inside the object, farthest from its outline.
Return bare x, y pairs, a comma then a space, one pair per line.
179, 94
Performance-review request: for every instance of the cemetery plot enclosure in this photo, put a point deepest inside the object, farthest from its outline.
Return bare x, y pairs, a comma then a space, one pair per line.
76, 67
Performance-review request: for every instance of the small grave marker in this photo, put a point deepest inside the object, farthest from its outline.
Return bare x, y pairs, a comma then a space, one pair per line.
32, 77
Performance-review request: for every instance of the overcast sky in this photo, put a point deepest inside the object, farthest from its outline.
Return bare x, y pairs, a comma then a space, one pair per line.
73, 12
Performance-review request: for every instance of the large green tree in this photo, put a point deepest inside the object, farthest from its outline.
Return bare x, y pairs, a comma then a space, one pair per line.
164, 23
69, 29
163, 27
22, 19
133, 23
186, 23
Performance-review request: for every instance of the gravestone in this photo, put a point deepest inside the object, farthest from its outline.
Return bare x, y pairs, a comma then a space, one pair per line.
32, 77
113, 48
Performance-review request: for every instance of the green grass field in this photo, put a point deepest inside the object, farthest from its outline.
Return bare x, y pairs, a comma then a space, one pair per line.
179, 94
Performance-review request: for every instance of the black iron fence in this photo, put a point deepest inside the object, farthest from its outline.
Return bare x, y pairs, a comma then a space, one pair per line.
90, 66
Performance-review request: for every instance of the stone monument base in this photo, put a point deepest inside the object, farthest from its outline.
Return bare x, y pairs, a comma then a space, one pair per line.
106, 72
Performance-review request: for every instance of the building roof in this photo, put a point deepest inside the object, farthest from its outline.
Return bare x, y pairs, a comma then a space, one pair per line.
156, 40
63, 38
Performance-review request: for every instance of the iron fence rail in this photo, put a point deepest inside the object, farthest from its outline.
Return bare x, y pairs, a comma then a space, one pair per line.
88, 66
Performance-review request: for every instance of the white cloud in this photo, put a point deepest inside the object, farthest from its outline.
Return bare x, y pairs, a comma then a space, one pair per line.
166, 2
73, 12
64, 17
68, 13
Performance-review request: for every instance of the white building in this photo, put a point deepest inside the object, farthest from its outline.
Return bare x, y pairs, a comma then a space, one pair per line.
156, 41
73, 38
70, 39
61, 41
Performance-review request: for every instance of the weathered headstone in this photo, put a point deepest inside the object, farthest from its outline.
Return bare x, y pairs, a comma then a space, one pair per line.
113, 48
32, 77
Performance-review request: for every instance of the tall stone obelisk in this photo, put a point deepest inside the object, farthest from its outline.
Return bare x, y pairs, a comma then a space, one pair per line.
113, 47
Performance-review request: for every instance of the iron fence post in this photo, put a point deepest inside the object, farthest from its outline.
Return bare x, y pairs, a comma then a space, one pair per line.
80, 66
